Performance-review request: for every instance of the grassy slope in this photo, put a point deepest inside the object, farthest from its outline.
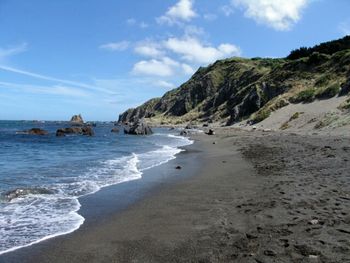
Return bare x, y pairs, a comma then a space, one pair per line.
235, 89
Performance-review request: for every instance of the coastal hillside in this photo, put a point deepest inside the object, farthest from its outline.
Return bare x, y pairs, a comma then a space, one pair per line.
239, 89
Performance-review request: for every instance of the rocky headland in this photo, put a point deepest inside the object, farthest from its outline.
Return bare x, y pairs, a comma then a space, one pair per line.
245, 92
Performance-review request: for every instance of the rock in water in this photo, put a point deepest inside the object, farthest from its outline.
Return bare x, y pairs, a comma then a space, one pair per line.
34, 131
184, 133
86, 130
77, 119
115, 130
20, 192
191, 126
92, 124
138, 128
211, 132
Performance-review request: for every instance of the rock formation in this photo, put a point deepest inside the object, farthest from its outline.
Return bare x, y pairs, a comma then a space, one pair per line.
234, 89
140, 127
20, 192
77, 119
34, 131
85, 130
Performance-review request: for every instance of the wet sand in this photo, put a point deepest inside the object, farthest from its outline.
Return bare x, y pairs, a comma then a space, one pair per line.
239, 197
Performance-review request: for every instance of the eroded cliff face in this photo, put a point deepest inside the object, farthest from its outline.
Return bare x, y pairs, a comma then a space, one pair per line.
234, 89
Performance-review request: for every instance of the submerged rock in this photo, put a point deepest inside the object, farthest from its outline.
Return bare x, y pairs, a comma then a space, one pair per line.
138, 128
93, 124
34, 131
115, 130
185, 133
86, 130
20, 192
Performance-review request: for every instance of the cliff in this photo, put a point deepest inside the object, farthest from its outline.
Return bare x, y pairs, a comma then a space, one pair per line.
237, 89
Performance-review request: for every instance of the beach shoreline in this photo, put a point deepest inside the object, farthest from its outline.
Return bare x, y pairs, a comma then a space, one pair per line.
240, 196
99, 207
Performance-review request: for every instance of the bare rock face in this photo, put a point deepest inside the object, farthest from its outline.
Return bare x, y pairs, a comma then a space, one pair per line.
86, 130
77, 119
138, 128
34, 131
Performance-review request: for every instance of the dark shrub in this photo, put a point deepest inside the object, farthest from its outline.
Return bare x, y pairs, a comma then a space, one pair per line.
328, 92
307, 95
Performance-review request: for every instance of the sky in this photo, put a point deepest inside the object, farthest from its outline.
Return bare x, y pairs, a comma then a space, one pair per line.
100, 57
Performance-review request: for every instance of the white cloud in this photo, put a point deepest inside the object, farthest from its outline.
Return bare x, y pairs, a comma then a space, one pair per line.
192, 30
164, 84
131, 21
227, 10
192, 50
188, 70
149, 49
278, 14
162, 67
154, 67
182, 11
10, 51
143, 24
210, 17
58, 90
344, 27
134, 22
116, 46
53, 79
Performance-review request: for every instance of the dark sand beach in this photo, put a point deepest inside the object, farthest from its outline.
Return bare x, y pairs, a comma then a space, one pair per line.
240, 197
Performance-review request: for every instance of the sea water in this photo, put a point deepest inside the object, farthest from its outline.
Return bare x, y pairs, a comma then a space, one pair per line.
50, 173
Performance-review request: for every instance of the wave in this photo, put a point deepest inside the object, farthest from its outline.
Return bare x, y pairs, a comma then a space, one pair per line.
36, 218
49, 211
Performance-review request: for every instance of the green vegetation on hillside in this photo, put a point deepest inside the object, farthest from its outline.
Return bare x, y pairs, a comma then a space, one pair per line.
329, 48
236, 89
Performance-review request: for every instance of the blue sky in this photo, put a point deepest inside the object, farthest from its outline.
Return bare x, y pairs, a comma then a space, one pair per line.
98, 58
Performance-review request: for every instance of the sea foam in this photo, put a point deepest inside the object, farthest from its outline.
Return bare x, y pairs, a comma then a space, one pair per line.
32, 218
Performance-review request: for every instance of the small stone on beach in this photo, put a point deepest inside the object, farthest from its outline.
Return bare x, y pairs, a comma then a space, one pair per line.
313, 257
251, 236
178, 167
270, 253
314, 222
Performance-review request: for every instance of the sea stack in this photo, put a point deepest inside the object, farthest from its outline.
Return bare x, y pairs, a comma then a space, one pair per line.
77, 120
138, 128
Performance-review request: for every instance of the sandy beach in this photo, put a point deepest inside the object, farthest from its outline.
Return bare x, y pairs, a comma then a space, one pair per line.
239, 196
180, 131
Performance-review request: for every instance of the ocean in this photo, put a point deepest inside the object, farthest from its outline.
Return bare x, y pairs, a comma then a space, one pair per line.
50, 174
